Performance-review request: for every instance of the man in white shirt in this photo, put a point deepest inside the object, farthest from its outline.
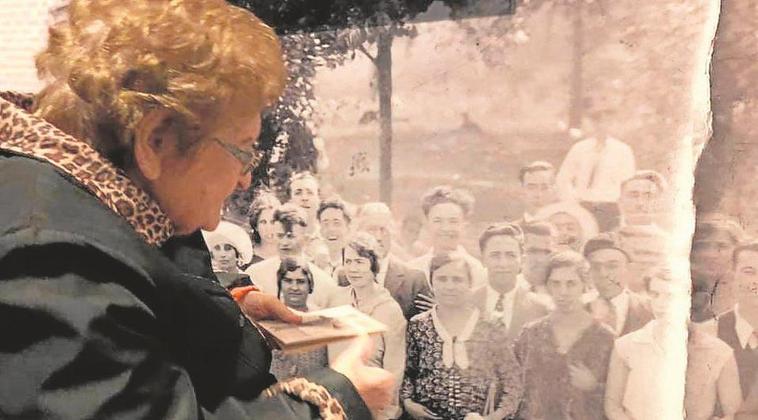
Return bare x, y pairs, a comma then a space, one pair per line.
447, 211
290, 224
616, 306
592, 173
537, 188
506, 297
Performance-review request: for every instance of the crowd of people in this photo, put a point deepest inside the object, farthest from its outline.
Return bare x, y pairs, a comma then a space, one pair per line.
562, 315
114, 168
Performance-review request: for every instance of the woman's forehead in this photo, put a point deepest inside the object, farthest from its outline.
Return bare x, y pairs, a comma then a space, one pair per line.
452, 268
296, 274
564, 274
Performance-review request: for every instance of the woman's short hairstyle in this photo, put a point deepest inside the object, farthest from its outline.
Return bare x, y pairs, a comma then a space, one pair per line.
441, 260
290, 215
263, 202
568, 258
110, 62
291, 264
365, 245
510, 230
447, 194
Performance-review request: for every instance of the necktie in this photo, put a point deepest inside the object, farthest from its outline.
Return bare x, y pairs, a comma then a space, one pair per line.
593, 172
605, 312
499, 306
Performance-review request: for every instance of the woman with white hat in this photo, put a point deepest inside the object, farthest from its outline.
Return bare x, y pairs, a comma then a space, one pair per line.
573, 223
231, 250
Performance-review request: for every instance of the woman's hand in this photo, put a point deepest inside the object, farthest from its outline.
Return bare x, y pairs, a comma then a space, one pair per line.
260, 306
582, 378
374, 385
418, 411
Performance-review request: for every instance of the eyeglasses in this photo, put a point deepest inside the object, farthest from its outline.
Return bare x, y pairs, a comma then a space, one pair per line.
248, 158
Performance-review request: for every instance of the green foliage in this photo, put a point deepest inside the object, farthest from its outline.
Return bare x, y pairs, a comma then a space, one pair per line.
315, 34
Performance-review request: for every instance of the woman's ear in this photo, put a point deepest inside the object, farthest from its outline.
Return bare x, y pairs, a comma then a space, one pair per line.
151, 138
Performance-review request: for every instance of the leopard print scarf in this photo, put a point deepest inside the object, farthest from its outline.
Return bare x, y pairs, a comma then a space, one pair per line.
24, 134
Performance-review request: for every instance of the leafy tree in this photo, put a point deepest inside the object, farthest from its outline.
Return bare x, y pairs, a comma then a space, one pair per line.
325, 33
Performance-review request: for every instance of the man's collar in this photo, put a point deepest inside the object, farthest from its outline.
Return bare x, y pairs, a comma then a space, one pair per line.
743, 328
24, 134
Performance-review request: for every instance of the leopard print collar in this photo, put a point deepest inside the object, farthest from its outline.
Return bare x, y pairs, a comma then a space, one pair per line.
24, 134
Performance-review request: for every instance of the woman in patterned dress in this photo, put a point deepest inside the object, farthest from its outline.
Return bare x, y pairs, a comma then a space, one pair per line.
565, 355
458, 364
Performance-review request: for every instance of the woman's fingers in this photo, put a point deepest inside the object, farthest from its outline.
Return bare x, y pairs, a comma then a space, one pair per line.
260, 306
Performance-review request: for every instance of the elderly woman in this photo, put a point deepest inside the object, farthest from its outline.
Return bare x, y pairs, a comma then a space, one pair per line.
565, 355
148, 122
573, 223
231, 249
361, 266
262, 222
643, 362
459, 365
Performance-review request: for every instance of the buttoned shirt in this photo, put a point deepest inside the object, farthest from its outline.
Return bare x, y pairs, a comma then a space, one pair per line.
589, 173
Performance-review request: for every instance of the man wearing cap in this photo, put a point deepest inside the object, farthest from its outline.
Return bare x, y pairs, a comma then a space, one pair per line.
618, 307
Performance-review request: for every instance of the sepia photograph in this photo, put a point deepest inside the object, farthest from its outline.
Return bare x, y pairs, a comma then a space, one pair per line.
515, 209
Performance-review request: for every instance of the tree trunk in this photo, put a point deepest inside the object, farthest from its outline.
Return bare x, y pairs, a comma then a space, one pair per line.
384, 87
715, 165
576, 99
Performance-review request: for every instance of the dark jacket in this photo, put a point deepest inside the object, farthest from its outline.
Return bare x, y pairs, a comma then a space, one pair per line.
404, 284
99, 323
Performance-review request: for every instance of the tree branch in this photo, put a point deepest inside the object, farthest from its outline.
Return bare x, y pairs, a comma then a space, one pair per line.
362, 49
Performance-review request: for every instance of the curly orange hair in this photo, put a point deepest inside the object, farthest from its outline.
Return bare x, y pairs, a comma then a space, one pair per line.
111, 61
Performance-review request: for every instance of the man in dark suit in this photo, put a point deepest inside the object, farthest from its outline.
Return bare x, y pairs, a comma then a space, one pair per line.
739, 326
506, 297
407, 285
618, 307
